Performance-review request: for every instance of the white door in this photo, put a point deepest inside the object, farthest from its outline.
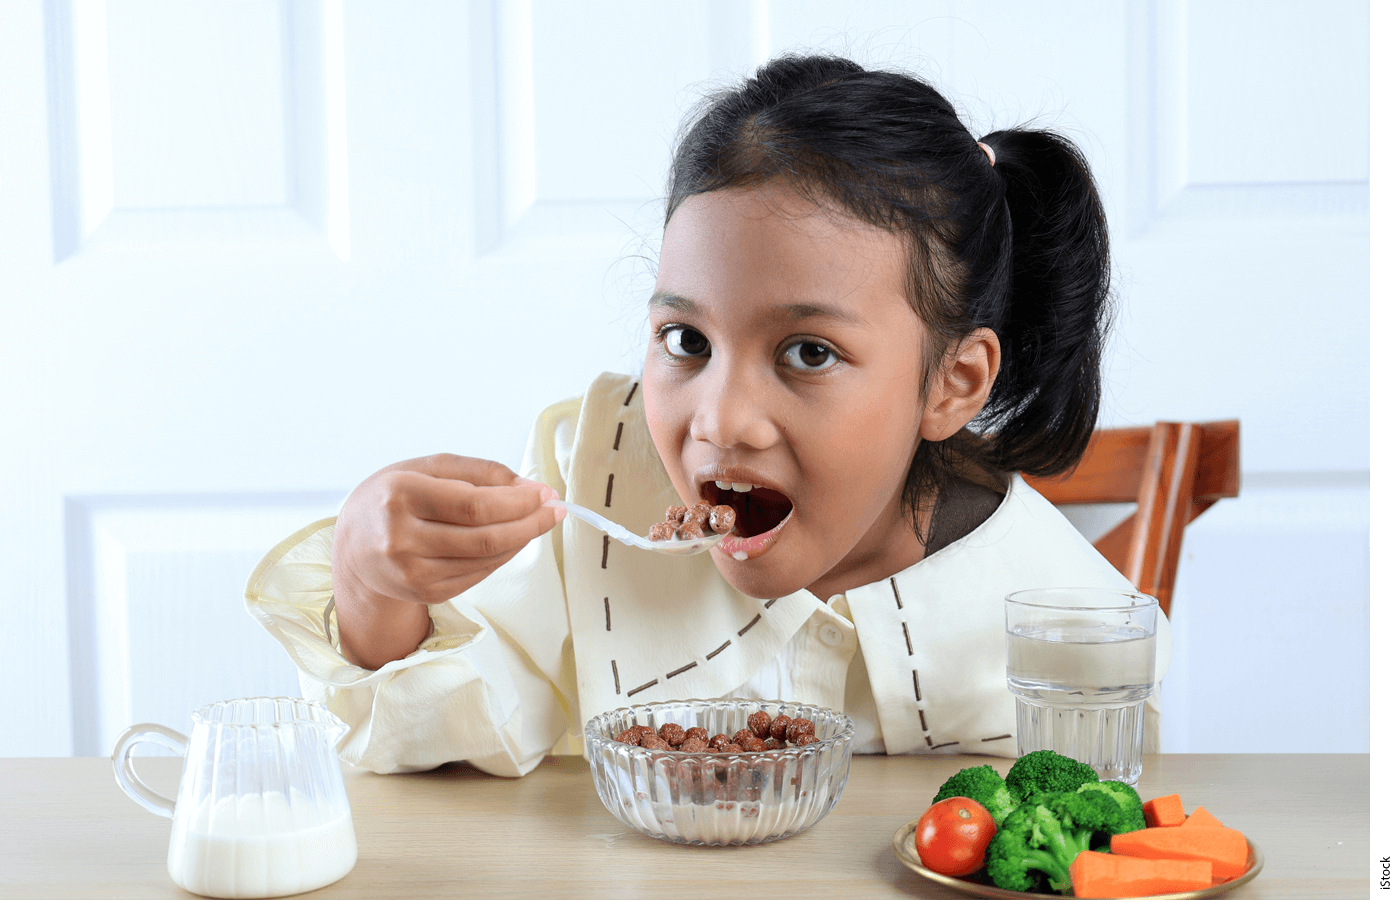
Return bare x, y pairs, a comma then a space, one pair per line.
251, 251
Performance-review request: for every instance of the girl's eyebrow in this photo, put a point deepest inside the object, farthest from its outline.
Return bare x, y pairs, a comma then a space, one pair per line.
683, 305
801, 311
795, 311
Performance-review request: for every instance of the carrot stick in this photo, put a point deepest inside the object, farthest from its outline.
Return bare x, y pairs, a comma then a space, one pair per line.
1105, 875
1160, 811
1226, 848
1228, 871
1202, 817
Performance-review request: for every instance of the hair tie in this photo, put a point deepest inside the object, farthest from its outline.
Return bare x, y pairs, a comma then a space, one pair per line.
991, 154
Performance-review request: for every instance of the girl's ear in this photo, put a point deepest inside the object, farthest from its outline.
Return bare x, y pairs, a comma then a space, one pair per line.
961, 385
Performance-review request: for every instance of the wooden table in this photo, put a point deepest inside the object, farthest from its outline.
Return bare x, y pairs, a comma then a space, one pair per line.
68, 831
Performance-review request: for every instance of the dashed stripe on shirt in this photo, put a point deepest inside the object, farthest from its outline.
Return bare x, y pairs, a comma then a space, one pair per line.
685, 668
607, 606
918, 691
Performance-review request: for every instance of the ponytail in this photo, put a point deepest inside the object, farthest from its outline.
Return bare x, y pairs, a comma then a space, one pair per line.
1052, 321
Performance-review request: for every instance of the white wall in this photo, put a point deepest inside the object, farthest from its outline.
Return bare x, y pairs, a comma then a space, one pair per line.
447, 224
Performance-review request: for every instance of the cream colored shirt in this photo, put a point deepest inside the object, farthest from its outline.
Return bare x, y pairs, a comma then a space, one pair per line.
577, 624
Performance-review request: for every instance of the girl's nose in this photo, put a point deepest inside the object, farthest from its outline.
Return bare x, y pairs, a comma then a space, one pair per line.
733, 413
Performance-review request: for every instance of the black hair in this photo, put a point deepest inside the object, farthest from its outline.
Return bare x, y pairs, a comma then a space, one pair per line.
1020, 247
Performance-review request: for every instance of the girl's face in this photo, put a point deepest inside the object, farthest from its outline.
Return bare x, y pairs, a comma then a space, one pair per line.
782, 378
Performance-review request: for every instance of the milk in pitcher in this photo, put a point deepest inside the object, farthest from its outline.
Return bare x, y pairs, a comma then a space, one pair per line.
260, 845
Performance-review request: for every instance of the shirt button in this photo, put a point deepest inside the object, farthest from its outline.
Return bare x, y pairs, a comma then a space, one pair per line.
830, 635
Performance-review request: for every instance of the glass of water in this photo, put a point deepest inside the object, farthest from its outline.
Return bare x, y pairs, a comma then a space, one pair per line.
1081, 663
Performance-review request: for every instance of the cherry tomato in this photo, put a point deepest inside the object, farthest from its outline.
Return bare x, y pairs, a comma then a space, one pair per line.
953, 835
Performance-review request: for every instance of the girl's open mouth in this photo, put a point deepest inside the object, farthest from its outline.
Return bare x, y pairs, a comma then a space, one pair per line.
759, 515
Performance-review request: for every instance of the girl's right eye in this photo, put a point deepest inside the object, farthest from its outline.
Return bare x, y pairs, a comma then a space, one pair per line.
681, 341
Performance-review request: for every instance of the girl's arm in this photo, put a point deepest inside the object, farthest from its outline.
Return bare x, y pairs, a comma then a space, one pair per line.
420, 532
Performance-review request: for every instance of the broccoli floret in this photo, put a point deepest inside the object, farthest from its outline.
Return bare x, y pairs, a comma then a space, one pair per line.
983, 784
1041, 837
1126, 796
1046, 770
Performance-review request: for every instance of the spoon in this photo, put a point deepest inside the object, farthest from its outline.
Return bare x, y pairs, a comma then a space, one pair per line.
618, 533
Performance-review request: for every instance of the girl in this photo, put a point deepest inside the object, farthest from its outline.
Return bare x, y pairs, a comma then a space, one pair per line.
865, 323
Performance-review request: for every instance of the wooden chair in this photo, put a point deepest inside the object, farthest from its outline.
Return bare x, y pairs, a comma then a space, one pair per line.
1174, 471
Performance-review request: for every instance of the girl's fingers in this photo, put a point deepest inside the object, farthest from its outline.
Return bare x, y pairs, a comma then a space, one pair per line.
437, 580
461, 503
483, 472
471, 543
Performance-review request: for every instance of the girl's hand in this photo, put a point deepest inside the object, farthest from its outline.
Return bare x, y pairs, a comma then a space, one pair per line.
421, 532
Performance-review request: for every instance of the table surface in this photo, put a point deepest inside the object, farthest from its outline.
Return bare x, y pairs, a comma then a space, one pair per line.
68, 831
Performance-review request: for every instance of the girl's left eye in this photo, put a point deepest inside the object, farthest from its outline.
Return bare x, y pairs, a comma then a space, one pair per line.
809, 356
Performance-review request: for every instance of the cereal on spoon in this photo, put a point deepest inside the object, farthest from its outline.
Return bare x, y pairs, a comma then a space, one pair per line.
690, 523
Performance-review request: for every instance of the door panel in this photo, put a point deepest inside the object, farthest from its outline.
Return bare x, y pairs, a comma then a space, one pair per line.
155, 629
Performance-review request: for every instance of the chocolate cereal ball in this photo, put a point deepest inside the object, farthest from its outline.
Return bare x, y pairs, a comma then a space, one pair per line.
690, 531
697, 732
718, 739
778, 727
675, 514
661, 531
804, 739
800, 726
722, 519
653, 742
699, 514
672, 733
631, 736
759, 722
692, 745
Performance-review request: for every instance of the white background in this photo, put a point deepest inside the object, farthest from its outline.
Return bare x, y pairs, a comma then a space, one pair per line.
251, 251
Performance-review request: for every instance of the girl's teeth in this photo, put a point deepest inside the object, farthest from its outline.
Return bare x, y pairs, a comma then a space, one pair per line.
740, 488
722, 485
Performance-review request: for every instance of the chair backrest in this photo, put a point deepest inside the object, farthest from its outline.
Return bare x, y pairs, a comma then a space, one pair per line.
1174, 471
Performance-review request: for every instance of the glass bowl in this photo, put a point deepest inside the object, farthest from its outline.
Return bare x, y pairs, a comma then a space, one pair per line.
716, 799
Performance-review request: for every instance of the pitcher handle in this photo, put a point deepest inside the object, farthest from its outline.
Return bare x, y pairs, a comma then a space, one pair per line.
129, 781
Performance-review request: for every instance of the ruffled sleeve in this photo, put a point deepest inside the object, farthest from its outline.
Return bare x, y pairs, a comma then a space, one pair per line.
490, 685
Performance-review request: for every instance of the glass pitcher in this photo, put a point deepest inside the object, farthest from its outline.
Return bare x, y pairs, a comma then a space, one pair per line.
262, 809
